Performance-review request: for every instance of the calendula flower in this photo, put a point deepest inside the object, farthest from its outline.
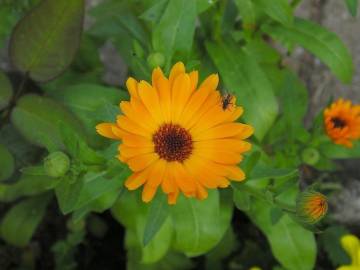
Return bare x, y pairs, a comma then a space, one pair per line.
342, 122
351, 245
175, 134
311, 206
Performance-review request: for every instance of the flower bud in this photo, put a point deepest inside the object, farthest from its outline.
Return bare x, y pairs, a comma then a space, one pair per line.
156, 60
311, 206
56, 164
310, 156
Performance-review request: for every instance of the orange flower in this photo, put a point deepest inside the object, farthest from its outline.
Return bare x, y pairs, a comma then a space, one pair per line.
176, 134
311, 206
342, 122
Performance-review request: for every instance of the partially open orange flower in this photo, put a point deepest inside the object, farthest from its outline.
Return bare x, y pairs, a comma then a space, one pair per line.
176, 134
311, 206
342, 122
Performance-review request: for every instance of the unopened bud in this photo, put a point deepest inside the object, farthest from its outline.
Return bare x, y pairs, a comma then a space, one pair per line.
311, 206
310, 156
56, 164
156, 60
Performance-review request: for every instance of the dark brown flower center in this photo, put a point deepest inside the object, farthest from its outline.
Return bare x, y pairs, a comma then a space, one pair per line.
173, 142
338, 123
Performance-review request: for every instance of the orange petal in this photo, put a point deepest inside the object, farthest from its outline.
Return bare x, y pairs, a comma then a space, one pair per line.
172, 197
148, 192
181, 92
224, 145
132, 140
241, 131
201, 192
196, 101
131, 85
150, 99
194, 78
157, 173
139, 163
136, 180
157, 75
132, 127
165, 98
221, 157
213, 117
212, 101
168, 184
142, 118
235, 173
105, 129
130, 152
182, 179
210, 82
176, 70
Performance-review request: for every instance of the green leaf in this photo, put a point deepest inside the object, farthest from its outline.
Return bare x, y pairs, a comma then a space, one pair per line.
279, 10
34, 170
292, 245
73, 194
99, 205
321, 42
7, 162
153, 14
262, 51
45, 41
247, 12
172, 260
68, 192
85, 97
250, 162
330, 240
86, 100
95, 185
293, 97
242, 199
203, 5
8, 18
243, 76
78, 148
37, 118
130, 211
27, 185
21, 221
265, 172
197, 225
352, 6
215, 258
157, 215
6, 91
175, 31
120, 15
65, 250
335, 151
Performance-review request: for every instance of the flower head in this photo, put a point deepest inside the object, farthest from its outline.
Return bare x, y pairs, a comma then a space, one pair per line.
175, 134
351, 245
342, 122
311, 206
